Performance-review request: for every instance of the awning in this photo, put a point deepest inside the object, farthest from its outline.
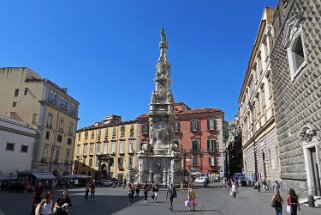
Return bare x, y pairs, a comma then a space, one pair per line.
43, 175
76, 176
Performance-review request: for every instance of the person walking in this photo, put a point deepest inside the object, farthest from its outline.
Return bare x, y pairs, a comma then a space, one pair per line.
155, 192
92, 190
137, 189
130, 193
276, 187
234, 188
293, 202
191, 196
124, 183
46, 206
63, 203
277, 203
146, 190
171, 194
87, 190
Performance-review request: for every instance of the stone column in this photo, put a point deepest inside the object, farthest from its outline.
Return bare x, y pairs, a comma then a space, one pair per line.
164, 177
150, 176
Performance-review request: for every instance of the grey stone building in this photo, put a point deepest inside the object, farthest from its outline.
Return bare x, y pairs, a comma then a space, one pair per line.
296, 81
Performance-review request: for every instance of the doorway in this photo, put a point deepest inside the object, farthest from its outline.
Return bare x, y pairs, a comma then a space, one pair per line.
314, 174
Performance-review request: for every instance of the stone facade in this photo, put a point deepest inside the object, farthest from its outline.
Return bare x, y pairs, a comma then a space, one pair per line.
296, 79
256, 110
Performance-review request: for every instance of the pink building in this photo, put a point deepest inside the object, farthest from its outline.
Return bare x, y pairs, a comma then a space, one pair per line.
199, 135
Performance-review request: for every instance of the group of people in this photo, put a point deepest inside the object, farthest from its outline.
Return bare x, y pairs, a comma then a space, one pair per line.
132, 189
47, 206
92, 188
292, 201
232, 186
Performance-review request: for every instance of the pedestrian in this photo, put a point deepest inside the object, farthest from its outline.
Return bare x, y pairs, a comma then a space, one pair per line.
133, 191
129, 191
63, 203
92, 190
46, 205
124, 183
276, 187
87, 190
277, 203
38, 193
137, 189
26, 186
171, 194
293, 202
146, 190
191, 196
155, 192
264, 185
234, 188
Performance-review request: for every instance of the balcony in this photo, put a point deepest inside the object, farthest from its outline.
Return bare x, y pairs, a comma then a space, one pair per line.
211, 150
195, 151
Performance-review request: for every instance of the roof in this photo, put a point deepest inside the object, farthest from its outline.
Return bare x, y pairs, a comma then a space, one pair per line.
38, 175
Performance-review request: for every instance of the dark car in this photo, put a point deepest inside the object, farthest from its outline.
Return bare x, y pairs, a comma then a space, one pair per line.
16, 187
6, 183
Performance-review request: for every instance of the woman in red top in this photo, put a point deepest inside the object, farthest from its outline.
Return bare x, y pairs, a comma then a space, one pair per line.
293, 202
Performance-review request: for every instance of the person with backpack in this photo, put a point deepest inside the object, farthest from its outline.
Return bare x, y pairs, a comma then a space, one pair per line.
277, 203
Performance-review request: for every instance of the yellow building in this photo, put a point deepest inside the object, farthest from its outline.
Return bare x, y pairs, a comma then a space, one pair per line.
107, 149
27, 97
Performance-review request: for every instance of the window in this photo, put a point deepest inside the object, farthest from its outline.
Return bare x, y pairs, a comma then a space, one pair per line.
14, 104
57, 155
49, 120
113, 148
91, 149
195, 145
131, 147
90, 161
211, 145
26, 91
194, 160
85, 150
86, 135
71, 128
130, 162
59, 138
98, 134
72, 108
79, 136
97, 162
177, 126
34, 118
69, 141
24, 148
61, 125
67, 156
106, 134
176, 143
92, 135
121, 147
120, 163
105, 148
211, 124
194, 125
47, 135
98, 148
122, 131
131, 132
211, 161
145, 128
114, 132
263, 96
296, 56
78, 150
294, 43
16, 92
63, 103
52, 96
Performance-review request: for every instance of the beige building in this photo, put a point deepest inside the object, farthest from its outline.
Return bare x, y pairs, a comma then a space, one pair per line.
27, 97
256, 110
107, 149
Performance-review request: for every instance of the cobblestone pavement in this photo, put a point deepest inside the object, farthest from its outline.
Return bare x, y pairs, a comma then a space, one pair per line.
212, 200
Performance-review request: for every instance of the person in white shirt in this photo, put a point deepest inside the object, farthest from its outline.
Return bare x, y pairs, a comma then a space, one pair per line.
46, 205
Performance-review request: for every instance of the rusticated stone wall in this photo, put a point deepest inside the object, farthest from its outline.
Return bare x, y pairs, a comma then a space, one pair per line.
297, 102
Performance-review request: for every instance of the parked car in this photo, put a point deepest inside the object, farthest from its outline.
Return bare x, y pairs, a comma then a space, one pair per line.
16, 187
238, 176
106, 182
6, 183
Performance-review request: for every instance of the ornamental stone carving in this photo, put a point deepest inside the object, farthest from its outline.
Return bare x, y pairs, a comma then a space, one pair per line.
308, 133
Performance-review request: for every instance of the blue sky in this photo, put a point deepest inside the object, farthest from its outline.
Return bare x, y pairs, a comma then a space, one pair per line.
105, 52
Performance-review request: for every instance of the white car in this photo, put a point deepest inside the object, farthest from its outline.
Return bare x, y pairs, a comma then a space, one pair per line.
201, 180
